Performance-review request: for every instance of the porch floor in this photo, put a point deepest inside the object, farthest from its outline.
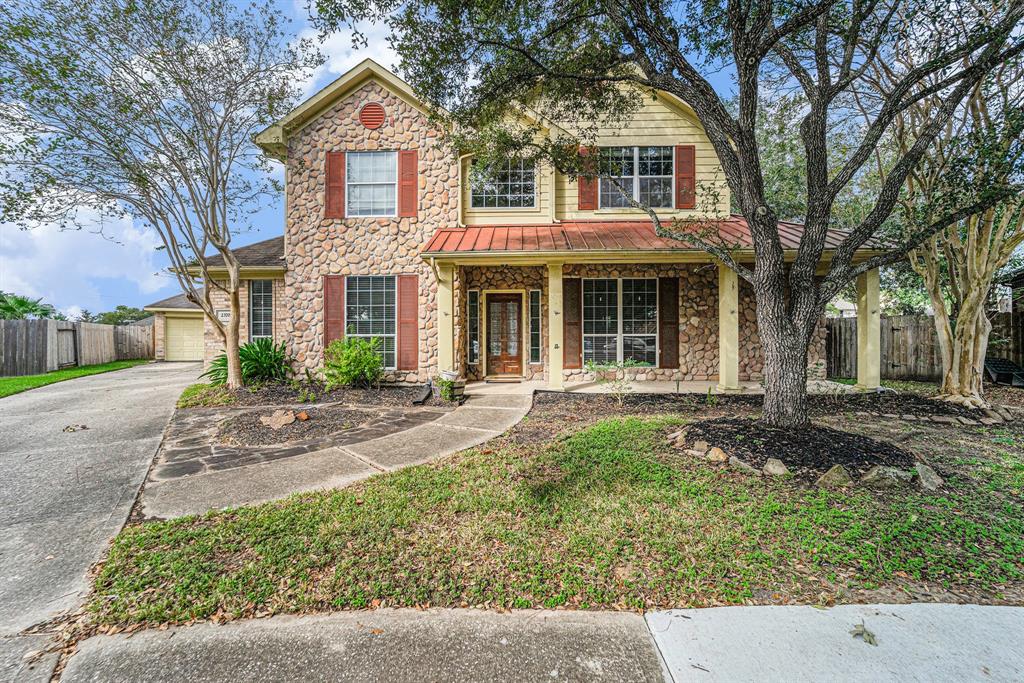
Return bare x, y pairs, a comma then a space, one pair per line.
480, 388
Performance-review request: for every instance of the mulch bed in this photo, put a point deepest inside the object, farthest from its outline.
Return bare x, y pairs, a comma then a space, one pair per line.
889, 402
286, 394
247, 430
808, 453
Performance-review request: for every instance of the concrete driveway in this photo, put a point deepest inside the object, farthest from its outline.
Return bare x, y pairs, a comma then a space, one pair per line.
65, 491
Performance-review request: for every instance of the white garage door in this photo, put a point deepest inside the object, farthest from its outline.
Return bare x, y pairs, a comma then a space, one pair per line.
184, 339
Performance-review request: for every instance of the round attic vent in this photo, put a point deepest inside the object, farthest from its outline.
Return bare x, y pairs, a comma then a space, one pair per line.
372, 115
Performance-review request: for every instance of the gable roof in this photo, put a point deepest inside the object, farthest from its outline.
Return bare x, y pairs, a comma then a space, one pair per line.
178, 301
599, 237
274, 139
266, 254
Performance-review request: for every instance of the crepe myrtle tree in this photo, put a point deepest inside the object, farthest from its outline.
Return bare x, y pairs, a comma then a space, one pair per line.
146, 109
588, 63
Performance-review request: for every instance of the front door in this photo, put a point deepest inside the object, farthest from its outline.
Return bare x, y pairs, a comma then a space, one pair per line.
504, 335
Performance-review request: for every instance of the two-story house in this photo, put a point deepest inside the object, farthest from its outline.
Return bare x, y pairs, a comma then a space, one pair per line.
525, 274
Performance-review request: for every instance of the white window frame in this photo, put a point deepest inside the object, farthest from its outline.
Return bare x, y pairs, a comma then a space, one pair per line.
393, 335
472, 194
619, 335
540, 327
636, 179
349, 183
261, 336
470, 360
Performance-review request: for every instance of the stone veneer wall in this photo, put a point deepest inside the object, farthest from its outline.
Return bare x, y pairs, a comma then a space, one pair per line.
316, 246
698, 319
213, 346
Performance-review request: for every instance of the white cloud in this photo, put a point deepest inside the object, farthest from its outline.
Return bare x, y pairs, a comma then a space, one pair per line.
72, 269
342, 56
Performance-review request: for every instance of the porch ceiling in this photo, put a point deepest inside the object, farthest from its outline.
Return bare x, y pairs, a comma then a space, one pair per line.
599, 238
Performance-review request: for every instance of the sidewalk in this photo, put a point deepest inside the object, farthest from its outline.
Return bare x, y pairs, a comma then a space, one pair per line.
923, 642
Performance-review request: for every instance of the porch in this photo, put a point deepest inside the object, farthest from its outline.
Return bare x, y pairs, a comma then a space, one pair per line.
538, 304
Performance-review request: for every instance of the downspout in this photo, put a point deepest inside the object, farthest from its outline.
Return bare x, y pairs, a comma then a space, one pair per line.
461, 208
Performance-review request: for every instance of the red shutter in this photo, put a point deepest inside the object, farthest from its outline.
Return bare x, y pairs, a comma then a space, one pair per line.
408, 342
334, 186
407, 182
587, 185
686, 177
334, 308
572, 323
668, 322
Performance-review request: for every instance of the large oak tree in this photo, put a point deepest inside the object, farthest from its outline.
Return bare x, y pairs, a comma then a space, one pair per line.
589, 62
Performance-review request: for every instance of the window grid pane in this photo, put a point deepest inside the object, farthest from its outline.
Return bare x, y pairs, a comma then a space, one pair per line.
605, 340
370, 311
534, 325
473, 327
261, 309
645, 174
511, 186
371, 183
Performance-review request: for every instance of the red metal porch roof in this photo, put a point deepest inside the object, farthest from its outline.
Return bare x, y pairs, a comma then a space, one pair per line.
591, 236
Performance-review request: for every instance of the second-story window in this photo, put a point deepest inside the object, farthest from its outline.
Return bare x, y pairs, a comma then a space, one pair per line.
512, 186
644, 173
371, 183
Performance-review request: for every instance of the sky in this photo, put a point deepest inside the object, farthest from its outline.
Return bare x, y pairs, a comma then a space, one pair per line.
97, 269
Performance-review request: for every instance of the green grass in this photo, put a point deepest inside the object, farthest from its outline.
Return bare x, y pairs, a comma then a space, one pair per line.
608, 517
14, 385
205, 396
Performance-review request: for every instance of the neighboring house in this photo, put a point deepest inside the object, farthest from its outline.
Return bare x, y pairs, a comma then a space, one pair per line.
529, 274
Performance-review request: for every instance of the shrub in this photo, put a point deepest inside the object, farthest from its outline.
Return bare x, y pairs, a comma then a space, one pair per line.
355, 361
262, 361
615, 377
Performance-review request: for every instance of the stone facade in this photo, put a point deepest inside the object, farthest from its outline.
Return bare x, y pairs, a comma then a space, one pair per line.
698, 319
213, 346
315, 246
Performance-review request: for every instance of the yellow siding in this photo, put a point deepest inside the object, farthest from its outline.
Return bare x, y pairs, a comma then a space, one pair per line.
657, 123
541, 213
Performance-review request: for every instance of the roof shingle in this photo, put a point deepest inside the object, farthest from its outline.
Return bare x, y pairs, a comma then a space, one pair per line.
266, 254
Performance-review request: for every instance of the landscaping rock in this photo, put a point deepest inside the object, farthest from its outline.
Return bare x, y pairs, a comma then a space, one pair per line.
302, 416
701, 446
744, 466
994, 416
776, 468
945, 419
694, 453
928, 478
674, 436
716, 454
278, 419
835, 477
881, 477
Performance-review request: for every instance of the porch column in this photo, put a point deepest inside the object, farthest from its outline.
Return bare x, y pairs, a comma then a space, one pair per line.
869, 332
555, 329
445, 317
728, 329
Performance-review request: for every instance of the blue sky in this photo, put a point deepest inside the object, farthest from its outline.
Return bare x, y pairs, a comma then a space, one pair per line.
97, 269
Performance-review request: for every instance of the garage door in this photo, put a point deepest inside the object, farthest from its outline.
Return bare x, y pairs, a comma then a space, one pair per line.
184, 339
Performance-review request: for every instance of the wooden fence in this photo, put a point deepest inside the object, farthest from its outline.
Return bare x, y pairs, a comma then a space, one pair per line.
910, 350
32, 347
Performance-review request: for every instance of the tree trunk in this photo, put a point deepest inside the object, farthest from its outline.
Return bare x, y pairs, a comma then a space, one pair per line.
231, 342
785, 379
962, 377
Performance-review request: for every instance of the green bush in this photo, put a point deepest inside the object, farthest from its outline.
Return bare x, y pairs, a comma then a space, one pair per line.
262, 361
355, 361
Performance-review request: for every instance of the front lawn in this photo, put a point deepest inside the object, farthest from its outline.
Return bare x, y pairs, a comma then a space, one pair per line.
572, 510
14, 385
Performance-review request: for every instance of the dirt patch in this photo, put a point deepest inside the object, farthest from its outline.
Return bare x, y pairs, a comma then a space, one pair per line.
248, 430
289, 394
808, 453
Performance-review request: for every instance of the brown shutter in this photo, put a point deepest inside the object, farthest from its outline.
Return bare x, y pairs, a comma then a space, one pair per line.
334, 308
588, 186
334, 187
408, 342
408, 160
686, 177
668, 322
572, 323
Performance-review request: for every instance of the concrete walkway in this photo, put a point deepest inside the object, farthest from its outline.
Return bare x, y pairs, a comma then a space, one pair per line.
66, 490
480, 419
735, 644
